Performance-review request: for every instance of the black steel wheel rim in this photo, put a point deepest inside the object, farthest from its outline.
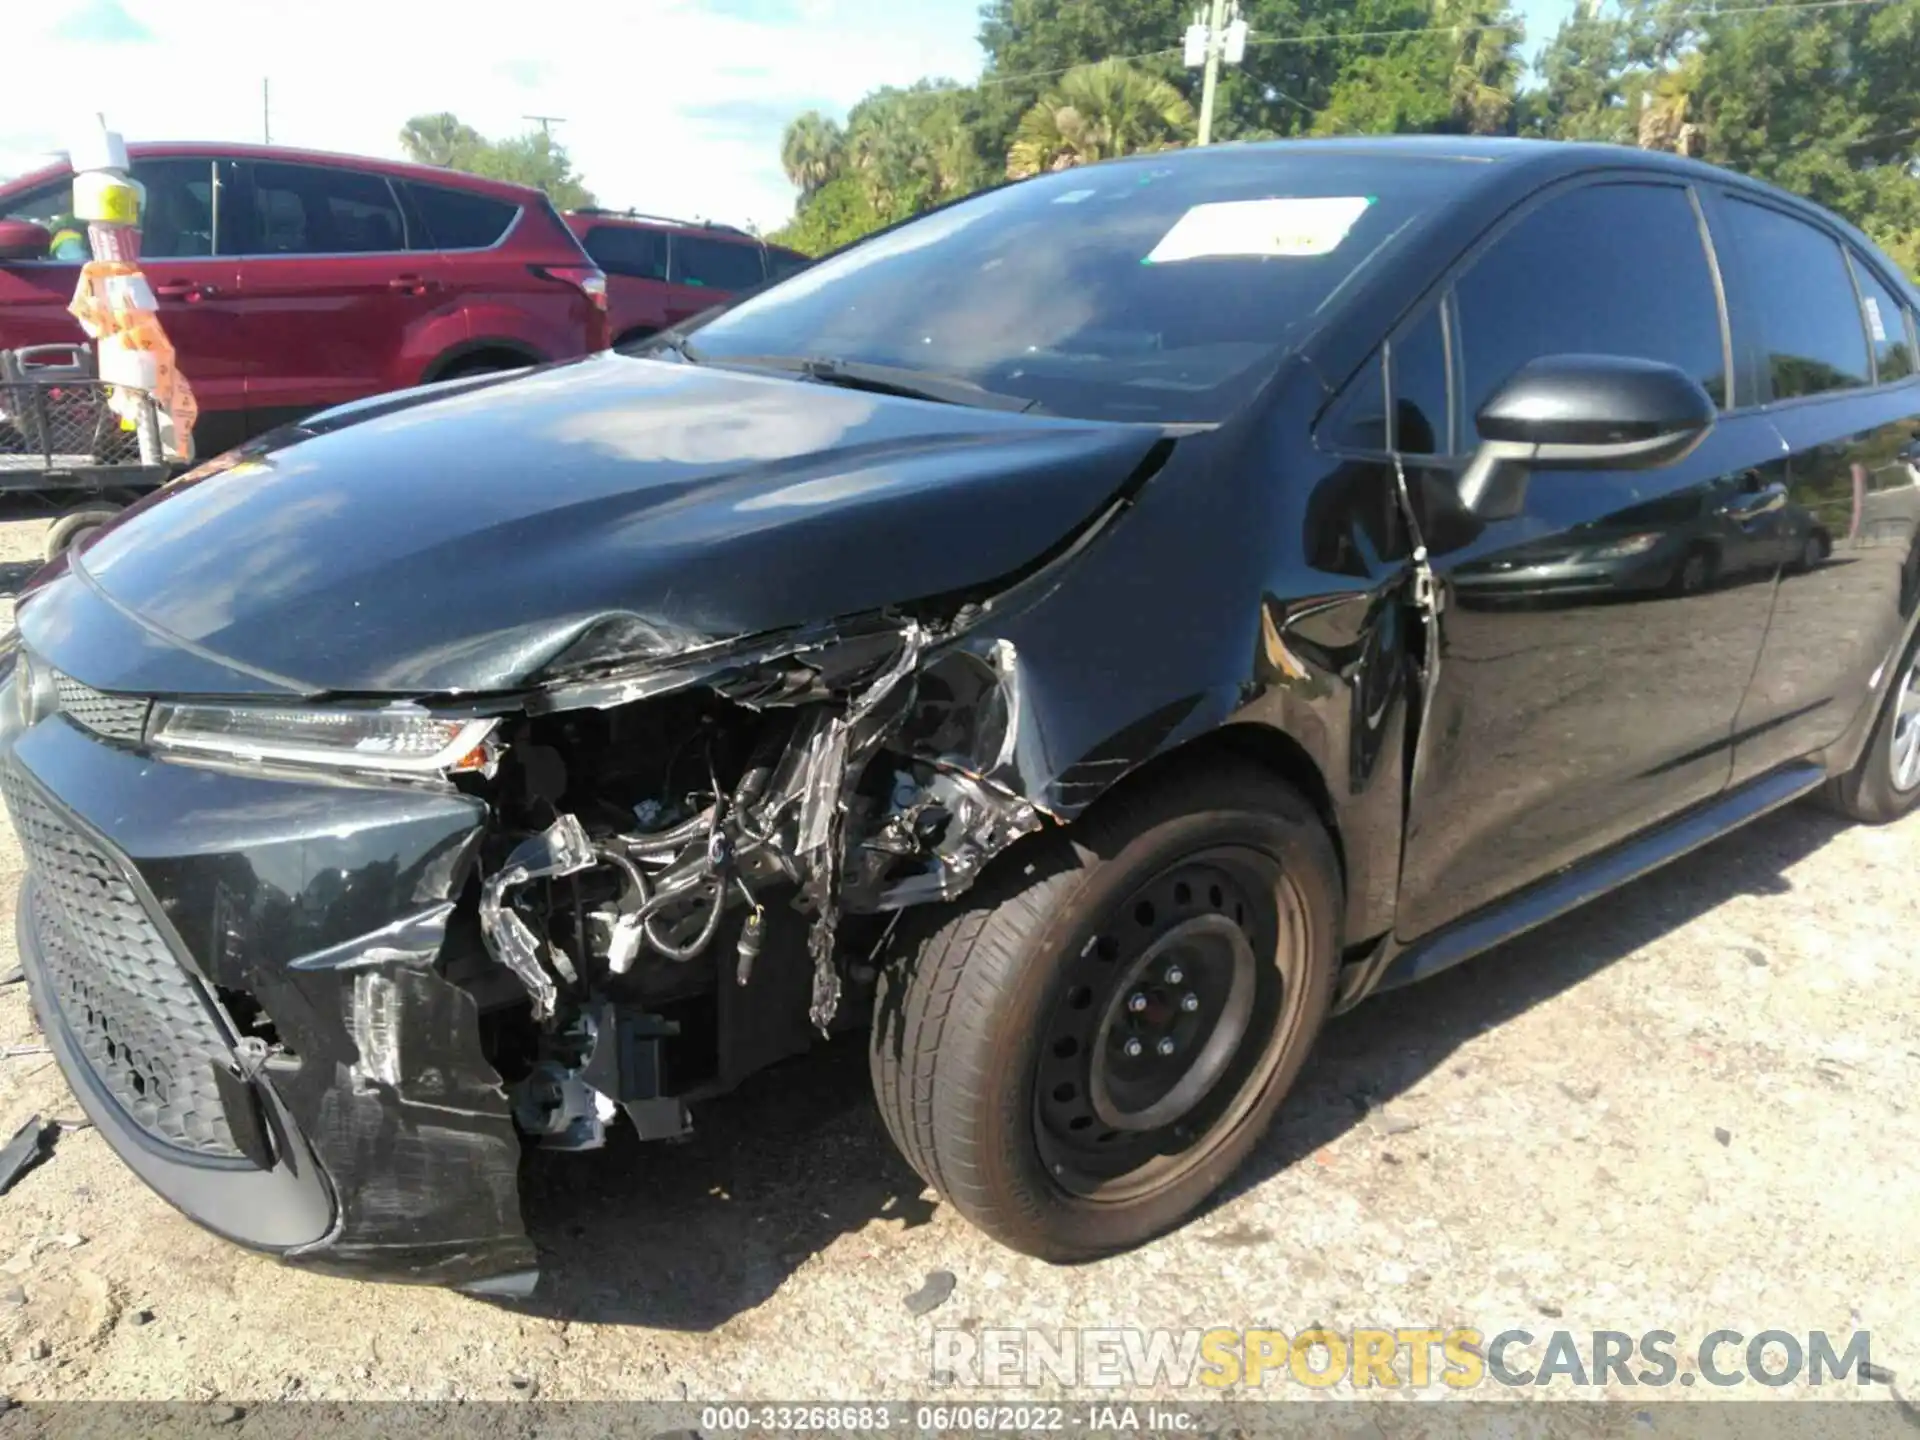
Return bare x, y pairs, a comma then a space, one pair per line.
1169, 1022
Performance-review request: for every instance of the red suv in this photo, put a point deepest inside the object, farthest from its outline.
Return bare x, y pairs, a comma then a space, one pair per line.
290, 281
660, 271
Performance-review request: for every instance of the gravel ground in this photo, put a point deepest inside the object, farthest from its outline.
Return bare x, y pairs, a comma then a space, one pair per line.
1690, 1107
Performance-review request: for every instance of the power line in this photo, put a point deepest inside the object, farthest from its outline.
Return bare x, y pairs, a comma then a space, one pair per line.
1711, 13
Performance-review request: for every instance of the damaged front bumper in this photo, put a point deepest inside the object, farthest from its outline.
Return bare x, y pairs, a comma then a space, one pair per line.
247, 983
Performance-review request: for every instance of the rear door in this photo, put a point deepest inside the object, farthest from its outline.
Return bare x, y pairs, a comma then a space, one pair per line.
1832, 348
707, 270
186, 253
1593, 649
331, 288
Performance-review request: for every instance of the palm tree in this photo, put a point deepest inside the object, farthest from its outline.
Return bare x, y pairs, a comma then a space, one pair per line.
813, 151
1098, 112
1483, 65
887, 149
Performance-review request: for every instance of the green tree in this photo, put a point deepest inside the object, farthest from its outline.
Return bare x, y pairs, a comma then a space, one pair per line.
535, 158
438, 139
1098, 112
813, 151
1459, 75
836, 214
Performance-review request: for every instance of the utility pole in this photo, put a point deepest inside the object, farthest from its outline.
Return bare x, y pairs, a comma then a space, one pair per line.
546, 122
1218, 35
266, 110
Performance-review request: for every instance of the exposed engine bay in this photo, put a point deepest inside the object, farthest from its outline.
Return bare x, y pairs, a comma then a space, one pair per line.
694, 868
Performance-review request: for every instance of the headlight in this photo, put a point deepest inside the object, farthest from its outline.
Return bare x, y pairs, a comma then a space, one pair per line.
400, 739
1628, 545
33, 689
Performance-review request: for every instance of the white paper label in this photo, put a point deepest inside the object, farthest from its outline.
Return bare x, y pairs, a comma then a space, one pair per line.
1073, 197
1875, 323
1285, 225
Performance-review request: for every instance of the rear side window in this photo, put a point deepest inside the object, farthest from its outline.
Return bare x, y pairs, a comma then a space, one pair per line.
459, 219
317, 210
1604, 270
1886, 325
715, 264
1812, 334
627, 250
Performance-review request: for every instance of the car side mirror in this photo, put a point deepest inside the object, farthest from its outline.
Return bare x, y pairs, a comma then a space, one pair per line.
1581, 412
24, 240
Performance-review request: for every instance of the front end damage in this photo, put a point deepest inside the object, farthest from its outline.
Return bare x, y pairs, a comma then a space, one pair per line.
314, 1010
692, 865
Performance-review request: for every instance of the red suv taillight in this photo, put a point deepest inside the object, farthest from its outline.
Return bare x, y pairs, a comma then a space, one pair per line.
587, 279
591, 282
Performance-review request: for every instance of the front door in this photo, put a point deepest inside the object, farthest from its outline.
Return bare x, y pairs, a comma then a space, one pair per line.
1593, 649
332, 289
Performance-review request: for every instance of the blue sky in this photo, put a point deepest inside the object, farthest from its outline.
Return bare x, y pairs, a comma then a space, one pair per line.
670, 105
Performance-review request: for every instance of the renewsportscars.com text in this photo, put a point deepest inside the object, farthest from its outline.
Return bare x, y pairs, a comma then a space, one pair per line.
1457, 1358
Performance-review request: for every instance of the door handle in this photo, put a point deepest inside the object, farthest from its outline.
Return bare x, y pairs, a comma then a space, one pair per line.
191, 291
412, 284
1764, 502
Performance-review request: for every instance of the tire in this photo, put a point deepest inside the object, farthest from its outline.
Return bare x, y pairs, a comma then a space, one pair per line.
1885, 784
1812, 552
76, 525
1000, 1046
1695, 573
482, 365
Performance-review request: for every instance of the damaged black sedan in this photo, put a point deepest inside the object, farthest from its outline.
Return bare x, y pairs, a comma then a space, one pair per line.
1086, 636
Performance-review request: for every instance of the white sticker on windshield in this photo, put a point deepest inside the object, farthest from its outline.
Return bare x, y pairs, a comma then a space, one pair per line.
1874, 322
1283, 225
1073, 197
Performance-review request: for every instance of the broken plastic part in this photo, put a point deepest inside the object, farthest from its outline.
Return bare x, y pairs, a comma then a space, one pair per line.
561, 849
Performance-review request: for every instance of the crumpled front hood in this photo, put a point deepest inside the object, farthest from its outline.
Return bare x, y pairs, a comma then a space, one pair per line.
461, 539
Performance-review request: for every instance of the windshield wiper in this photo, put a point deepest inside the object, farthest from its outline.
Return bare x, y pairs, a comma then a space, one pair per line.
674, 340
885, 380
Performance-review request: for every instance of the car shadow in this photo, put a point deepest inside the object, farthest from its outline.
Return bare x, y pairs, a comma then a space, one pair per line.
687, 1236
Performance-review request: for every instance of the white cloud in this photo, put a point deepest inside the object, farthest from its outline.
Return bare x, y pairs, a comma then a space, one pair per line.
672, 106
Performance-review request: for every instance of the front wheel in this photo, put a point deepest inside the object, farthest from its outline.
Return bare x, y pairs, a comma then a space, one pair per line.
1079, 1053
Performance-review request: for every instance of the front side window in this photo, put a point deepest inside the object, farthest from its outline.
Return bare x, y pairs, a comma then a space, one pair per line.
177, 223
1603, 270
317, 210
715, 264
51, 208
1157, 288
179, 219
1813, 335
1886, 325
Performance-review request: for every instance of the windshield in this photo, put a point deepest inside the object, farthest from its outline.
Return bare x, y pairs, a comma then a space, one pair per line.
1163, 288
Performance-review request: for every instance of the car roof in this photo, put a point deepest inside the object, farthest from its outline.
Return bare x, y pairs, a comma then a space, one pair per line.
639, 220
287, 154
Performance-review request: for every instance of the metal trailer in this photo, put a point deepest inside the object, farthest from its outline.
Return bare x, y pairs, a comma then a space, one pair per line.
61, 443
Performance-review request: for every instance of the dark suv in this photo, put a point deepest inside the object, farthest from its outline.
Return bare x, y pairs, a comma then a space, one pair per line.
291, 281
660, 272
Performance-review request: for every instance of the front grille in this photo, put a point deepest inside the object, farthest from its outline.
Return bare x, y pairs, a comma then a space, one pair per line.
141, 1020
117, 717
